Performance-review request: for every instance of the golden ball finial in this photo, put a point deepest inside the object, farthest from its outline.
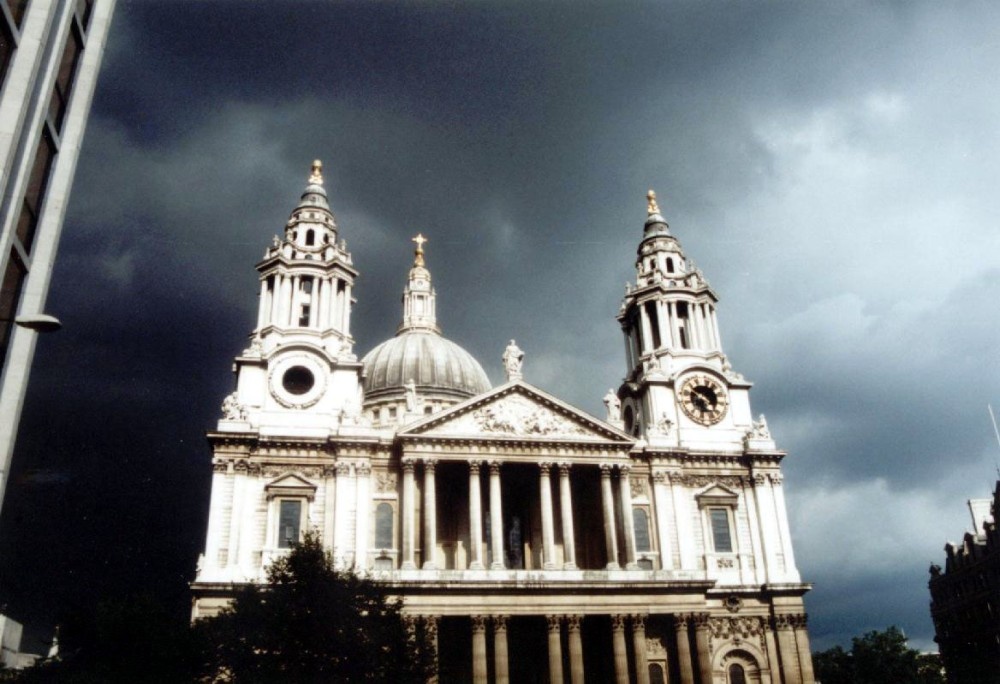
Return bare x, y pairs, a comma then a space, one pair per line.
316, 177
651, 207
418, 259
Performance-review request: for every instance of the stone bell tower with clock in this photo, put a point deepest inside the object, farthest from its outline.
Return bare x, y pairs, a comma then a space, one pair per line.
679, 387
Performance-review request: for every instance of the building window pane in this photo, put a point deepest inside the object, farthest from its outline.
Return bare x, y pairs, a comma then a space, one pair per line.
640, 521
736, 674
35, 193
64, 79
83, 10
289, 523
655, 674
7, 47
721, 538
17, 8
10, 294
383, 526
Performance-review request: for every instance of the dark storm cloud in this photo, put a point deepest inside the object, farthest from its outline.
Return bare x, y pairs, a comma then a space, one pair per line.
830, 168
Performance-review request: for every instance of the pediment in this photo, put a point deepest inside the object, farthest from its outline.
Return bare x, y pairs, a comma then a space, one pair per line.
290, 484
517, 411
717, 495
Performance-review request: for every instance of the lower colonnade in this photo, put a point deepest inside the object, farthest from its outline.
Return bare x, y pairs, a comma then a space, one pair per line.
579, 649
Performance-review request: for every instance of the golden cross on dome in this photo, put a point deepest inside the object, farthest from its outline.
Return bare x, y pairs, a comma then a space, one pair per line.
419, 254
652, 207
316, 177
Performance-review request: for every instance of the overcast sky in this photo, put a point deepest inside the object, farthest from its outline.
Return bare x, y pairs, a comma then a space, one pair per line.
832, 168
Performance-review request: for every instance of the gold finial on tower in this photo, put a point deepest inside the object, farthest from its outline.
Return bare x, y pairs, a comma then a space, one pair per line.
316, 177
418, 259
652, 207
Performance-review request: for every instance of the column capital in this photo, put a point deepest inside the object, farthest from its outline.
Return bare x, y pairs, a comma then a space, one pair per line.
573, 622
474, 466
618, 623
408, 465
564, 468
681, 621
429, 464
783, 622
363, 469
343, 469
545, 467
660, 478
499, 623
605, 470
638, 621
495, 467
478, 623
625, 469
554, 622
700, 620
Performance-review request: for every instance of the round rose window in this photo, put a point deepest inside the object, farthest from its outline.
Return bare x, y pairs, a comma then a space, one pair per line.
298, 380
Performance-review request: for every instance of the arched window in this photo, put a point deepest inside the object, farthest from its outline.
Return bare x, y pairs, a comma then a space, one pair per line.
383, 526
310, 238
640, 522
656, 673
670, 265
736, 674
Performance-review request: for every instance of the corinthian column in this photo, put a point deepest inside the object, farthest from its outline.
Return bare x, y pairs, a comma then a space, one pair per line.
501, 666
566, 511
430, 515
555, 649
704, 648
608, 501
548, 531
409, 515
684, 649
628, 528
475, 518
575, 649
802, 645
639, 646
496, 517
786, 649
618, 642
479, 669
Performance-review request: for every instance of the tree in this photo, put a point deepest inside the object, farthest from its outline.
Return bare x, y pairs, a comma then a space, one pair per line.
875, 658
312, 623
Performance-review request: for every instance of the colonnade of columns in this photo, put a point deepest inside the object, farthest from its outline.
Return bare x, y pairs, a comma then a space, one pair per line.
282, 294
546, 471
790, 654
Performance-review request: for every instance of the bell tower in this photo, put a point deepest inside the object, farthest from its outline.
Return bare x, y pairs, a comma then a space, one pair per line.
679, 389
301, 352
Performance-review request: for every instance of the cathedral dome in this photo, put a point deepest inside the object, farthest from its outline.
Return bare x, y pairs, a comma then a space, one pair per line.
441, 372
435, 364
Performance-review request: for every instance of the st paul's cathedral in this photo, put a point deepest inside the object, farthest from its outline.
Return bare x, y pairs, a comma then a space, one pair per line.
530, 540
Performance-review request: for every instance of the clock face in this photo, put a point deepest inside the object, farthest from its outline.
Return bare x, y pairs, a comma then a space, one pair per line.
704, 399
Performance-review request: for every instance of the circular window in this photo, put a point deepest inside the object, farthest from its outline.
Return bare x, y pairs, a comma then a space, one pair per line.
298, 380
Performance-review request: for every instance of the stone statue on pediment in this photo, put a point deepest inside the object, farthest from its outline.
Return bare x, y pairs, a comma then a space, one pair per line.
232, 409
513, 359
614, 405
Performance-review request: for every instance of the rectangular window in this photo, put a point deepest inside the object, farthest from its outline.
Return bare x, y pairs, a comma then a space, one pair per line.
83, 11
654, 323
289, 522
10, 295
64, 78
721, 537
17, 8
640, 523
31, 205
7, 46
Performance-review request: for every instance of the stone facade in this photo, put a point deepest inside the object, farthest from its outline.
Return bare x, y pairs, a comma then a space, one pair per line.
531, 540
965, 598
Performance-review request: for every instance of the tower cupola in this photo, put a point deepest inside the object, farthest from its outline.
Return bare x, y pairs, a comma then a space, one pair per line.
307, 277
669, 312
